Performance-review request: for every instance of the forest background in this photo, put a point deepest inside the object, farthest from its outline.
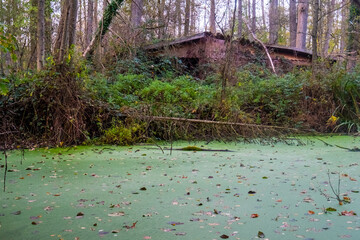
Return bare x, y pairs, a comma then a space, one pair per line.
71, 70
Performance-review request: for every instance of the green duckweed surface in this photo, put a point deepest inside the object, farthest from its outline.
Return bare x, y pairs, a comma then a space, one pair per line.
253, 192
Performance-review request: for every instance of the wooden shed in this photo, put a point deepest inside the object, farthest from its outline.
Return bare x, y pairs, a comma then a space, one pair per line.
208, 48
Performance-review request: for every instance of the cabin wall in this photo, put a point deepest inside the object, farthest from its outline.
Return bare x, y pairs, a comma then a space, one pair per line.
212, 50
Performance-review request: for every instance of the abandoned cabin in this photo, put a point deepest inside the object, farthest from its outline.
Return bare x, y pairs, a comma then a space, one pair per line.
204, 48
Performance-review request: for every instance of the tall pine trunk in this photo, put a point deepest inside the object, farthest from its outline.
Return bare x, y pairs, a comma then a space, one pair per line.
187, 18
273, 22
344, 26
303, 13
178, 17
253, 19
66, 31
314, 35
292, 22
193, 17
89, 22
48, 28
330, 21
212, 17
40, 35
353, 45
263, 14
33, 33
240, 18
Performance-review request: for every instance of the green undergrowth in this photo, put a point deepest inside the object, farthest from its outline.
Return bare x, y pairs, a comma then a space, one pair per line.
80, 105
297, 99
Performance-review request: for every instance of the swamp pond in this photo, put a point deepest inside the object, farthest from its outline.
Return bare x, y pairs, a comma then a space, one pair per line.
252, 191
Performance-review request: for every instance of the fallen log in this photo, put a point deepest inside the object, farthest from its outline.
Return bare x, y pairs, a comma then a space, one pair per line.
215, 122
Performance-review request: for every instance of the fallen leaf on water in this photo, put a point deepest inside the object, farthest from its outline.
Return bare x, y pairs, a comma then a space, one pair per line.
103, 233
346, 213
48, 208
180, 234
115, 206
345, 236
175, 223
16, 213
132, 226
261, 234
254, 215
330, 209
116, 214
214, 224
167, 230
308, 200
311, 212
80, 215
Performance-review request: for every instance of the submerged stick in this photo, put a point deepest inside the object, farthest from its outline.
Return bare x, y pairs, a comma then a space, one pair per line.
6, 167
22, 155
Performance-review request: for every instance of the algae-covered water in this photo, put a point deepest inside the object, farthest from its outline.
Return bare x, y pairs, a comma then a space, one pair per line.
251, 192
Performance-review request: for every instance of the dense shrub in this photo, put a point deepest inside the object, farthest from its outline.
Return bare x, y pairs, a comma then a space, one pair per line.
182, 96
123, 133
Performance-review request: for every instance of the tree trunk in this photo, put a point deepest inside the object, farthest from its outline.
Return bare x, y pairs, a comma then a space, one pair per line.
1, 53
292, 24
187, 18
253, 19
33, 32
193, 17
89, 22
314, 34
354, 35
303, 13
66, 30
48, 28
178, 17
330, 21
240, 19
212, 17
273, 22
40, 35
136, 12
96, 5
103, 27
263, 14
161, 18
344, 26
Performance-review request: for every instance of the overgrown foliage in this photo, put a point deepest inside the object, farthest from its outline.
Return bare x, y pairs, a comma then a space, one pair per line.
57, 107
